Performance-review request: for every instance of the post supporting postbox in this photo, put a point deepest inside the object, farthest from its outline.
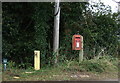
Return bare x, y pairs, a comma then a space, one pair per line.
36, 60
81, 51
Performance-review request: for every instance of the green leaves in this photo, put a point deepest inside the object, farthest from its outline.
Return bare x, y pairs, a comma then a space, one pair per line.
29, 26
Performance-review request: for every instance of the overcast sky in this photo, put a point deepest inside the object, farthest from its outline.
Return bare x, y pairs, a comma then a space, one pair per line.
111, 3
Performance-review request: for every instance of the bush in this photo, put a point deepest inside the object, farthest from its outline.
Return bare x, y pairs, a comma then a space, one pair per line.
11, 64
92, 66
103, 64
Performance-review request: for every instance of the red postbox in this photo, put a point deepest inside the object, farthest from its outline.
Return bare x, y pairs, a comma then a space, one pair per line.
76, 42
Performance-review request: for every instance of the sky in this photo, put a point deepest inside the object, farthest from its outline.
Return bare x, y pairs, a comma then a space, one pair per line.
114, 5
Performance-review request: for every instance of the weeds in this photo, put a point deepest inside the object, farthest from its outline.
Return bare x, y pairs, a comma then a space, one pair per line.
103, 64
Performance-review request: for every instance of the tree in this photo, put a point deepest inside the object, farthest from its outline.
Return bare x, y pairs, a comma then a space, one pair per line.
29, 26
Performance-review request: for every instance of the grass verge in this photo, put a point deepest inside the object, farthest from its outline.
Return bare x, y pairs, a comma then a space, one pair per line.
94, 69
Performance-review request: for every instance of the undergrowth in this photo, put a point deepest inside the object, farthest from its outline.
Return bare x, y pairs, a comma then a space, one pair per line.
103, 64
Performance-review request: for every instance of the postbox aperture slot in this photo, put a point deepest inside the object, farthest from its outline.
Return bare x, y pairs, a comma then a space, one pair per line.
77, 37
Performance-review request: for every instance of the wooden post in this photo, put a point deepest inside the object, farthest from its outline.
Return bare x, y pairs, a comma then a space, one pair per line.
81, 51
36, 60
56, 31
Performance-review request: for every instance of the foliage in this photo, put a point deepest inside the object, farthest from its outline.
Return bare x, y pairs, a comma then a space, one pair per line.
11, 64
29, 26
104, 64
17, 36
42, 17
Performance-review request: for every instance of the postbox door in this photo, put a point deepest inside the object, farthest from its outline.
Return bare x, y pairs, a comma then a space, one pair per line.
77, 43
